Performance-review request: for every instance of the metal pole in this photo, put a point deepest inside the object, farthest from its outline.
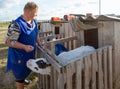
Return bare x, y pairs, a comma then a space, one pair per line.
99, 7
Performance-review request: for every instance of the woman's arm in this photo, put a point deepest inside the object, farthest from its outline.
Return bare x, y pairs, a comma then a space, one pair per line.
27, 48
39, 41
12, 37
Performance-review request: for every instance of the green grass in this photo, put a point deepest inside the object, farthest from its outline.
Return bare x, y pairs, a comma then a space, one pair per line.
6, 79
4, 24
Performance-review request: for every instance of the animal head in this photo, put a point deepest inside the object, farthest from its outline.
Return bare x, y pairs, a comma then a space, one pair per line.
39, 65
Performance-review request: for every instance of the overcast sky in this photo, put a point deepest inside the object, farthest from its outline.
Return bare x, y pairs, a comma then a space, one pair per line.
11, 9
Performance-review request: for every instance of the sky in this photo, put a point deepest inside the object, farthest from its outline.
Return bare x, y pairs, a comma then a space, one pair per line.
11, 9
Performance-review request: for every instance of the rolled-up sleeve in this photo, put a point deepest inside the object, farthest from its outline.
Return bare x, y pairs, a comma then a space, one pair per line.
13, 32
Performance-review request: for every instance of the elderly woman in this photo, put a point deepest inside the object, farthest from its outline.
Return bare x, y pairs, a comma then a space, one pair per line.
21, 38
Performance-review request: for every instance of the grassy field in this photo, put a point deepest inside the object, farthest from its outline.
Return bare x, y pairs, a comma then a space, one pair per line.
6, 79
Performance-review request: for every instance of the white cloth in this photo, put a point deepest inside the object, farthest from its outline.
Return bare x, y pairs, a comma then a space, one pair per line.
66, 57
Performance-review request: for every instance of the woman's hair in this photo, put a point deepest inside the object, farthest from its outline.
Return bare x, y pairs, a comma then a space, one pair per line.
30, 6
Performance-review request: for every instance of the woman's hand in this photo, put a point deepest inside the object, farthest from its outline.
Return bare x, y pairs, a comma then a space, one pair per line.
41, 42
28, 48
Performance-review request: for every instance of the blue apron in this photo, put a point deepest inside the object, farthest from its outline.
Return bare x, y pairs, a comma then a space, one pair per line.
17, 58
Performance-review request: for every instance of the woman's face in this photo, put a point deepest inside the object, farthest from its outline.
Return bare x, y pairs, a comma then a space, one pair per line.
32, 14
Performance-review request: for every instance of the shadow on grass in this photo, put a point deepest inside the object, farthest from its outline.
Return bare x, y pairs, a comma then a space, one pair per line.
34, 77
3, 45
3, 54
3, 51
7, 80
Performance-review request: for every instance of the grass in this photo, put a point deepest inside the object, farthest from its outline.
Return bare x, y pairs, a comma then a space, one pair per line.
6, 79
4, 24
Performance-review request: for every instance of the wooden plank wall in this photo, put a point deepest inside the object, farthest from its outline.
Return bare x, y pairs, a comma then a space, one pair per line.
109, 35
65, 29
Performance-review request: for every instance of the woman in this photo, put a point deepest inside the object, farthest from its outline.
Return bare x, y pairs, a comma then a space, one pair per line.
21, 38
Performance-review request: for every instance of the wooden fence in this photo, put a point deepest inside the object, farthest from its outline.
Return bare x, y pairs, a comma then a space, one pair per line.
48, 36
92, 71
